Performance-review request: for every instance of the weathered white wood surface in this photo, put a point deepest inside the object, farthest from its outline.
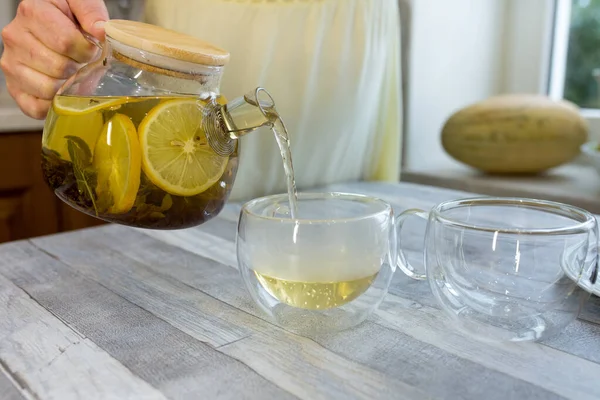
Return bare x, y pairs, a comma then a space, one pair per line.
120, 313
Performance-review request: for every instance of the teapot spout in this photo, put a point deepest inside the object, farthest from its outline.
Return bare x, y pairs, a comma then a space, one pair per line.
248, 113
227, 123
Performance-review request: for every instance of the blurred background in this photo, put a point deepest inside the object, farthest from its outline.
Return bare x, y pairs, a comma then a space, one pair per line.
455, 53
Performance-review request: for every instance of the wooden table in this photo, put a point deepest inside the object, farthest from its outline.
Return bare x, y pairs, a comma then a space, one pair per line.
119, 313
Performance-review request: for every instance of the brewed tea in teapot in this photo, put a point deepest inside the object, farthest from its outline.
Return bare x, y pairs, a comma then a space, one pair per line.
143, 137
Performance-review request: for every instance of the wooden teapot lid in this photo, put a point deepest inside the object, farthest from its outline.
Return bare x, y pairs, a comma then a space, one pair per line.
165, 42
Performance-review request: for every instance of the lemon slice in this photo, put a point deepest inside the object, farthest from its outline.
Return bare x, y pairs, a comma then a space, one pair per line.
176, 155
76, 105
87, 127
117, 161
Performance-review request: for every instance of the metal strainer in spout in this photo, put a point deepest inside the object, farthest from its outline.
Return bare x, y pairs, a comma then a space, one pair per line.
224, 124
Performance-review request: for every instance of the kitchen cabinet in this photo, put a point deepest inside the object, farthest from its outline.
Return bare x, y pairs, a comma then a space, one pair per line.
28, 207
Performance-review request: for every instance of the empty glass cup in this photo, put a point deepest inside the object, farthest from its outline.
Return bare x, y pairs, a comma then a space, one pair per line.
507, 268
326, 270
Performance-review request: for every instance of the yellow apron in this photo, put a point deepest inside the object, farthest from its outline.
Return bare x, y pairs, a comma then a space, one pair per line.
333, 68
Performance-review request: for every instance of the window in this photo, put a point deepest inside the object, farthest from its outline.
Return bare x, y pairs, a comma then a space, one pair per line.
575, 64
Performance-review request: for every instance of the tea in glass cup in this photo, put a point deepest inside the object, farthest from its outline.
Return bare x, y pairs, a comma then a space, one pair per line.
327, 269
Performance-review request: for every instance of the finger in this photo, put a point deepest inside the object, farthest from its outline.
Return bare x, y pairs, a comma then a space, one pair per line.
32, 107
42, 59
55, 30
91, 14
33, 82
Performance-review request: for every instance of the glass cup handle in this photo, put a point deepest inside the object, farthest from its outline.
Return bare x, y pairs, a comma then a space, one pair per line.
402, 261
594, 264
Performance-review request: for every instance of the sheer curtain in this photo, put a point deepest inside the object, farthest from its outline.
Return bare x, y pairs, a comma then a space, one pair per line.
334, 68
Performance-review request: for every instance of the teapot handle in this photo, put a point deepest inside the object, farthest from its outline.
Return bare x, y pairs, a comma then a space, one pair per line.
97, 43
91, 39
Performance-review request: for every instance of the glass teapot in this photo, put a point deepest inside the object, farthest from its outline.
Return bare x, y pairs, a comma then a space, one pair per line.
142, 136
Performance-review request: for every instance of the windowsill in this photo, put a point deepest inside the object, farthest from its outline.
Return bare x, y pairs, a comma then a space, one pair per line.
590, 113
576, 184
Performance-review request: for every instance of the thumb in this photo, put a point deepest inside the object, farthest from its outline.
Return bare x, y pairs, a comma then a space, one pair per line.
91, 15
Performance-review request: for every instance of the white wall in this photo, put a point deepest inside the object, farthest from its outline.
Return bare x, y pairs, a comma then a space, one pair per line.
463, 51
527, 45
456, 59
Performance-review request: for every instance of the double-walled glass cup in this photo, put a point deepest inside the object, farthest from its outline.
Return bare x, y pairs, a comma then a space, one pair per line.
326, 270
507, 269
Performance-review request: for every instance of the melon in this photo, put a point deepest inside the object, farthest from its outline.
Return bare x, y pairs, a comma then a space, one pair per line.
515, 134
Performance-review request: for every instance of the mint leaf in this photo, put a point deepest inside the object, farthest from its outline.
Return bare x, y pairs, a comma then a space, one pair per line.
81, 157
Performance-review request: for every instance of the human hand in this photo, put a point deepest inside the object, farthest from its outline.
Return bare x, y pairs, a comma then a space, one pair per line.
43, 46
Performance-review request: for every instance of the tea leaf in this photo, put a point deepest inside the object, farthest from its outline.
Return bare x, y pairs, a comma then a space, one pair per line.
81, 156
140, 199
143, 209
56, 171
157, 215
52, 154
79, 151
166, 203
